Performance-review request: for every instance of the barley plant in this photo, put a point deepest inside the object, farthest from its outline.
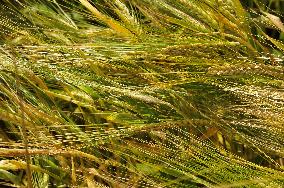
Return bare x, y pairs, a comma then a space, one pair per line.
141, 93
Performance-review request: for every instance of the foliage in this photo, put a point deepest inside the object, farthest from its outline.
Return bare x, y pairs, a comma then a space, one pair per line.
117, 93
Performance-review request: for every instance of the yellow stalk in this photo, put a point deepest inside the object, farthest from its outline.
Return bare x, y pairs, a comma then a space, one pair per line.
116, 26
